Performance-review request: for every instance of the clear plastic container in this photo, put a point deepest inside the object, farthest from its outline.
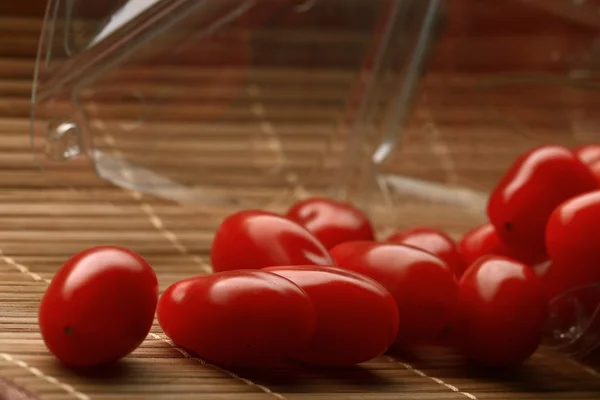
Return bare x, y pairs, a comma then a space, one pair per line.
502, 77
229, 101
411, 108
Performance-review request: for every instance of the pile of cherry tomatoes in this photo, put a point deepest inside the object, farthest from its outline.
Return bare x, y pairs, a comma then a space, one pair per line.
315, 286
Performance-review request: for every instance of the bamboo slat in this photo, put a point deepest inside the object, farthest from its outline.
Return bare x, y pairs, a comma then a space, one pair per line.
268, 154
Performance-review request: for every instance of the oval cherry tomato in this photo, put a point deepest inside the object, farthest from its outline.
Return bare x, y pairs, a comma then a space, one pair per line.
435, 242
331, 221
521, 203
571, 239
423, 286
590, 156
484, 240
574, 294
257, 239
481, 241
241, 318
503, 312
99, 306
357, 318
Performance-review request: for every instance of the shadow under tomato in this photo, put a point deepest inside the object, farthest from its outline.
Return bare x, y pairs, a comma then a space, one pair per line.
427, 355
592, 360
540, 374
308, 376
108, 373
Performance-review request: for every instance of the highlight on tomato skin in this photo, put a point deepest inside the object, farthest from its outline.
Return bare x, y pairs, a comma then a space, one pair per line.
571, 239
572, 230
480, 241
435, 242
536, 183
357, 318
239, 318
503, 311
589, 154
254, 239
423, 286
332, 221
99, 306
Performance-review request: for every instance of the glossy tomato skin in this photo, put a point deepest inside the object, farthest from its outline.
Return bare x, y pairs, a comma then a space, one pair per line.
357, 318
258, 239
484, 240
503, 311
99, 306
241, 318
574, 294
423, 286
590, 155
521, 203
572, 241
331, 221
435, 242
480, 241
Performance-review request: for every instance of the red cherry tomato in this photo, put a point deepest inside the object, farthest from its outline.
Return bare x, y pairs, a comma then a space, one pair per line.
521, 203
99, 306
503, 311
572, 242
240, 318
542, 269
590, 156
574, 294
357, 318
331, 221
434, 242
481, 241
258, 239
484, 240
423, 286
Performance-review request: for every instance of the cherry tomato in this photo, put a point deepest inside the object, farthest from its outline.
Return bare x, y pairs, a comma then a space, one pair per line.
481, 241
99, 306
357, 318
331, 221
541, 270
434, 242
243, 318
257, 239
484, 240
574, 294
590, 156
521, 203
503, 311
423, 286
572, 241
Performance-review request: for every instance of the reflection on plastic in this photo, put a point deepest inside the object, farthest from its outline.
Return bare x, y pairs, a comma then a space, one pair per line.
574, 324
134, 177
62, 140
127, 13
463, 197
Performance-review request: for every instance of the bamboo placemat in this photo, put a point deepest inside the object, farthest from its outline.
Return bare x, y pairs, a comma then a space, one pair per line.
42, 223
